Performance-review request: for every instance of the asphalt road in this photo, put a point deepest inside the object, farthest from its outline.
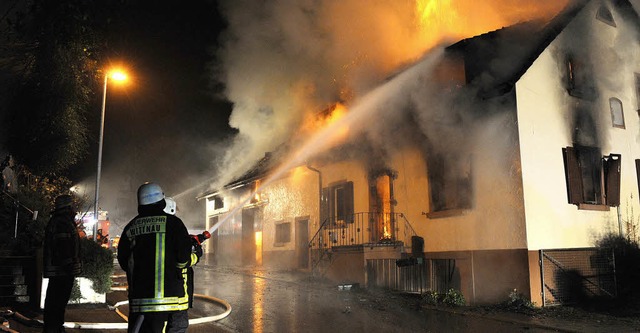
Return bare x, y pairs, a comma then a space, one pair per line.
273, 301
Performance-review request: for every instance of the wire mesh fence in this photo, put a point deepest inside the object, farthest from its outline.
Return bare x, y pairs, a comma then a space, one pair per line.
572, 275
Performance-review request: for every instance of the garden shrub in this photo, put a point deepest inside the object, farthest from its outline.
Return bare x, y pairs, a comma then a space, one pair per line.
517, 302
97, 265
450, 298
453, 298
431, 297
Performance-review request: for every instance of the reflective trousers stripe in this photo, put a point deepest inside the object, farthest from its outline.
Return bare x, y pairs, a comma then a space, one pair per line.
159, 283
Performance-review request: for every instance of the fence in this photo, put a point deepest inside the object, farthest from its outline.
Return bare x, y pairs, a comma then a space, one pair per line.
413, 275
357, 230
571, 275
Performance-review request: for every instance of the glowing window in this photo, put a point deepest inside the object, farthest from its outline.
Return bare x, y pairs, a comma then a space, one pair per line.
617, 116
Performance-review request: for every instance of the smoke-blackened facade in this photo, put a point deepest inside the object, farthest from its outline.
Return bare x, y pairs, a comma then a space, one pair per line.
512, 142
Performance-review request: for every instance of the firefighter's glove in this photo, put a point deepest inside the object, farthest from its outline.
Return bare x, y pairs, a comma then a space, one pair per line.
197, 249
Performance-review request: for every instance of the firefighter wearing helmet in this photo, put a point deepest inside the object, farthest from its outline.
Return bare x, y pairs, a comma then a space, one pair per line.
154, 249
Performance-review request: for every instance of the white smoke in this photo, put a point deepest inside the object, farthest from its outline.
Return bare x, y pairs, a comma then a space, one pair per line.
284, 59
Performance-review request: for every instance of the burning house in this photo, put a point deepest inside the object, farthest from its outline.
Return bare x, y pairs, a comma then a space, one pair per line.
500, 161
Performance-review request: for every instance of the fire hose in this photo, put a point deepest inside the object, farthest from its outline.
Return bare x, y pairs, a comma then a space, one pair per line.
197, 239
120, 326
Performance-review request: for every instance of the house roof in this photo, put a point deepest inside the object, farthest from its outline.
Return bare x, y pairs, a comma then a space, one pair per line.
496, 60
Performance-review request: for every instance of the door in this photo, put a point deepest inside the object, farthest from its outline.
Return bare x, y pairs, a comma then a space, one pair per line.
248, 237
302, 242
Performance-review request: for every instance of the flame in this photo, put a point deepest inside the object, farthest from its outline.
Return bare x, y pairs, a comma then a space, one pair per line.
439, 20
331, 116
386, 233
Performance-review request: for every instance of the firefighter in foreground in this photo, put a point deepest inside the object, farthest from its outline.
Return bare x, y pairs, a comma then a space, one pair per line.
179, 321
61, 262
154, 249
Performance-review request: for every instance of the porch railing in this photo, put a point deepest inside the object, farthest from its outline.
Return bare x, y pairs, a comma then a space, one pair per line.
357, 230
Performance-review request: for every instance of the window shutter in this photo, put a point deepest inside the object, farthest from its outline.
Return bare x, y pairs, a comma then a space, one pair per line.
348, 197
573, 176
638, 174
612, 179
324, 207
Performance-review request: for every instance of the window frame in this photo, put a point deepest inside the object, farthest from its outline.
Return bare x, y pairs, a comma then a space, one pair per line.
604, 15
449, 194
637, 84
337, 198
608, 170
282, 233
613, 117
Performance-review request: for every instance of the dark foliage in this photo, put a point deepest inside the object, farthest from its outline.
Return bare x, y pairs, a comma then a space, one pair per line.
627, 269
97, 265
50, 80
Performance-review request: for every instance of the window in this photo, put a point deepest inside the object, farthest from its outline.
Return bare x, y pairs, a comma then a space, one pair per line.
449, 182
617, 116
604, 15
218, 203
593, 180
283, 233
638, 174
579, 83
638, 89
337, 203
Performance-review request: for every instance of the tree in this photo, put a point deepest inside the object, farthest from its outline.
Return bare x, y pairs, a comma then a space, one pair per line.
49, 72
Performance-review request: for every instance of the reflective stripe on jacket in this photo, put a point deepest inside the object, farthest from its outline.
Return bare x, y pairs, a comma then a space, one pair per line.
153, 250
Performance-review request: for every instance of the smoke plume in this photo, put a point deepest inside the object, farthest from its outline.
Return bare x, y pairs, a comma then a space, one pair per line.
284, 60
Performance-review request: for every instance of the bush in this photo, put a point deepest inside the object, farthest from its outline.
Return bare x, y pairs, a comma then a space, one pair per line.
97, 264
518, 302
627, 266
451, 298
431, 297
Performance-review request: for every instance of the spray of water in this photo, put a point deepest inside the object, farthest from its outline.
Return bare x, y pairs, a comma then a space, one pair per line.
385, 97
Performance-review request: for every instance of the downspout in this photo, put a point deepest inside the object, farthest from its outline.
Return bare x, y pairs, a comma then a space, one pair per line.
620, 221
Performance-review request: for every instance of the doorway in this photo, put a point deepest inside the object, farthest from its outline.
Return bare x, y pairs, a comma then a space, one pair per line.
302, 242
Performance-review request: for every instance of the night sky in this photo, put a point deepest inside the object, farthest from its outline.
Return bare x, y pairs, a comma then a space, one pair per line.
172, 124
158, 126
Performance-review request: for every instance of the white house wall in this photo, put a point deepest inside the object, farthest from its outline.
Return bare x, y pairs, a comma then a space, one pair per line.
496, 219
544, 111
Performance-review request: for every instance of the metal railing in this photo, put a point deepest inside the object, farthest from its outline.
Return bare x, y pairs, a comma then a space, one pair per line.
364, 228
425, 275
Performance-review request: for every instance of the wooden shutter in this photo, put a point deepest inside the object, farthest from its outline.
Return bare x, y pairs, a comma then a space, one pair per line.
573, 176
324, 207
638, 175
612, 179
348, 198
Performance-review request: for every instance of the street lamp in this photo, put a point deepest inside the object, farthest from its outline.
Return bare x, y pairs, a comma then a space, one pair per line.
116, 75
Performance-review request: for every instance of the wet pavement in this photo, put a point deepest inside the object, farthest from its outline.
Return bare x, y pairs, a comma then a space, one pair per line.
271, 301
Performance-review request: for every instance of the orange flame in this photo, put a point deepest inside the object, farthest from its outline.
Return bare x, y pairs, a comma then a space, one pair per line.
329, 117
439, 20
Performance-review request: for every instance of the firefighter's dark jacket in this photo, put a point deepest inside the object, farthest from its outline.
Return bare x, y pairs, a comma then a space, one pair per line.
154, 250
62, 245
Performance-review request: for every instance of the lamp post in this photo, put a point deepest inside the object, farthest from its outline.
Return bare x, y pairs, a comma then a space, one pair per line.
118, 76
